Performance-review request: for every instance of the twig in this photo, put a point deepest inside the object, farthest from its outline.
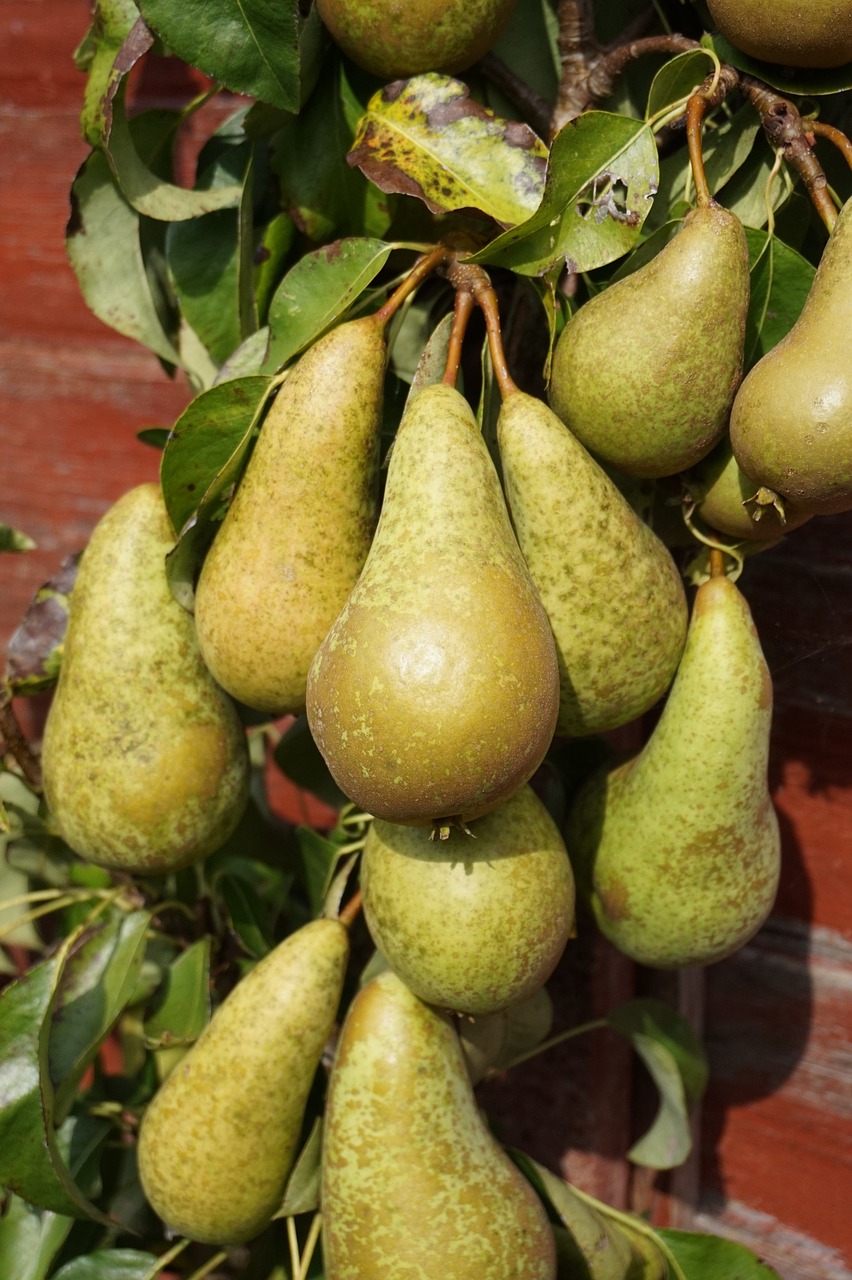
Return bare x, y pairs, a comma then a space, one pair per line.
788, 133
579, 53
534, 107
15, 741
836, 136
609, 70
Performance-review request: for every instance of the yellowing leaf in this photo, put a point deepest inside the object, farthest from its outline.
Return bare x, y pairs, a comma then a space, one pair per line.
426, 137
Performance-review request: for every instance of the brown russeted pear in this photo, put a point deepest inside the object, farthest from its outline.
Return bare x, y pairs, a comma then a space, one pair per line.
791, 424
221, 1134
644, 373
297, 533
478, 921
145, 762
395, 41
729, 502
413, 1184
677, 851
786, 31
610, 588
435, 693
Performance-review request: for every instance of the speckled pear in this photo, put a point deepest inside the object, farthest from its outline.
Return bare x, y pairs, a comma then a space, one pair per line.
413, 1184
478, 921
220, 1136
297, 533
645, 372
610, 588
727, 500
677, 851
144, 758
435, 693
791, 424
396, 40
818, 34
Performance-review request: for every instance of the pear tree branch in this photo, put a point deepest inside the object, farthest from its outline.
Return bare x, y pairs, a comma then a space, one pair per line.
534, 107
605, 75
579, 53
788, 133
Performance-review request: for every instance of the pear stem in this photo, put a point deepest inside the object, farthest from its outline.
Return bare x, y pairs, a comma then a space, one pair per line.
563, 1036
165, 1258
836, 136
15, 741
350, 912
310, 1246
788, 133
461, 316
717, 563
421, 269
695, 111
210, 1265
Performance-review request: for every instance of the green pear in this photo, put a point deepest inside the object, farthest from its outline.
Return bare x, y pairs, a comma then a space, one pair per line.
435, 693
221, 1134
297, 533
791, 424
611, 590
478, 921
677, 851
728, 501
396, 41
413, 1184
786, 31
644, 373
144, 758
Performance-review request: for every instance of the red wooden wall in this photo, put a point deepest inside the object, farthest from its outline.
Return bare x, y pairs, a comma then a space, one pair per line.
773, 1161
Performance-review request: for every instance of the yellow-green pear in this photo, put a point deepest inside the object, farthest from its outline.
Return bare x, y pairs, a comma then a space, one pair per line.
435, 693
645, 372
413, 1184
144, 758
791, 424
611, 590
478, 921
677, 851
818, 34
727, 500
221, 1134
298, 531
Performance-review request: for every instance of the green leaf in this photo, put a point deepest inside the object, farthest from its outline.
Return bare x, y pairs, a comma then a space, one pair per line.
182, 1010
203, 257
104, 248
248, 913
780, 282
38, 642
250, 46
30, 1238
31, 1161
317, 291
725, 149
109, 1264
601, 178
529, 47
433, 361
809, 81
675, 1058
207, 446
302, 1193
97, 983
677, 80
14, 540
270, 255
112, 24
706, 1257
299, 759
428, 138
319, 859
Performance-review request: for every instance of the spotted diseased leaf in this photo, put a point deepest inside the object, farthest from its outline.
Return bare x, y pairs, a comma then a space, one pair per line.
117, 38
426, 137
601, 180
35, 650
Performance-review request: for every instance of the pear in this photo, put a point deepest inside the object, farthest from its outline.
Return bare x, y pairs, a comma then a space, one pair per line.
644, 373
611, 590
395, 41
478, 921
297, 533
786, 31
435, 693
791, 424
144, 758
221, 1134
728, 501
677, 851
413, 1184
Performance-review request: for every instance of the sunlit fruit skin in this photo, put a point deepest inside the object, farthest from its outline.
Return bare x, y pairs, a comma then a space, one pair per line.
818, 34
791, 422
395, 38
